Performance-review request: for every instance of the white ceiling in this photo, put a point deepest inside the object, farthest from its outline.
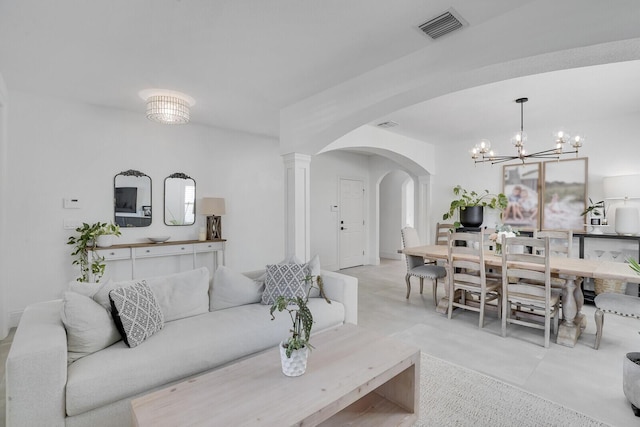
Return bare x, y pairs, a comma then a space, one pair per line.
245, 60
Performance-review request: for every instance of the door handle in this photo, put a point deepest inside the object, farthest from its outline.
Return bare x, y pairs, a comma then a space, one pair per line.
342, 228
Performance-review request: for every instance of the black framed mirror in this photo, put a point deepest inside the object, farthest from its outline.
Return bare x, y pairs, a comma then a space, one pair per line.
179, 200
132, 199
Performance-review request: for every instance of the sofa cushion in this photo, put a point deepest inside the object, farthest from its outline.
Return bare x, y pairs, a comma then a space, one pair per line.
179, 295
231, 289
89, 326
287, 280
136, 313
183, 348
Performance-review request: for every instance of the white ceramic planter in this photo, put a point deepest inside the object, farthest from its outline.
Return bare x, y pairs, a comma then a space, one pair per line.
295, 365
104, 240
631, 381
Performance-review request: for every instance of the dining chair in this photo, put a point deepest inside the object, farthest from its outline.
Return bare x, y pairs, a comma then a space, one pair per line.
467, 274
442, 233
416, 266
560, 241
526, 285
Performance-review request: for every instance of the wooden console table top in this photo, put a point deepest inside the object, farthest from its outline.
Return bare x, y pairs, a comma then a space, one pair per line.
354, 377
167, 243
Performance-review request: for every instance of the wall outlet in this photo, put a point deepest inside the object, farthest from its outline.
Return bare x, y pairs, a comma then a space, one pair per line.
71, 224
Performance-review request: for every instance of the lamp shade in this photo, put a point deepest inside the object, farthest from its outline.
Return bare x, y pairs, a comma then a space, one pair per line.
624, 187
621, 187
212, 206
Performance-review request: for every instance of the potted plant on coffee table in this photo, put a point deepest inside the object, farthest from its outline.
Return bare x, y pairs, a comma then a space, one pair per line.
295, 349
85, 243
471, 206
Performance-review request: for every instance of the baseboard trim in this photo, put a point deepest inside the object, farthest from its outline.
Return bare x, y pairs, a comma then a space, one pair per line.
391, 255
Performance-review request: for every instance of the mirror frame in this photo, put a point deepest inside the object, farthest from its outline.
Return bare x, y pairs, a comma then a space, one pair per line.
134, 173
179, 175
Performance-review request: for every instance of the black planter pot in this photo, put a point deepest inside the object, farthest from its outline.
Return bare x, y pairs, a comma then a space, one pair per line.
472, 216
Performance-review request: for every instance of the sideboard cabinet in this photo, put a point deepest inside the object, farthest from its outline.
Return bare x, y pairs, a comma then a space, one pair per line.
137, 260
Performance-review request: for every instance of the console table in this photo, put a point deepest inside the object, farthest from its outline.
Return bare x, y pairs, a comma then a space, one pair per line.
134, 253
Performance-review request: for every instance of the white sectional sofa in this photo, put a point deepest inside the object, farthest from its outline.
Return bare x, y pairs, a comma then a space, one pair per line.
44, 389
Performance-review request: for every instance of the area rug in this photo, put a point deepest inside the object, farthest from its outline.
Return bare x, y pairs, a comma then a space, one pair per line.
451, 395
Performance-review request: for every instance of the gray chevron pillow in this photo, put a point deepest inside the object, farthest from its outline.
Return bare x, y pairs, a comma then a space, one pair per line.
285, 280
136, 313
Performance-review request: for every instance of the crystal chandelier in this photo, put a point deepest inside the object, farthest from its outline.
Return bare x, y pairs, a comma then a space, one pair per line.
482, 152
167, 107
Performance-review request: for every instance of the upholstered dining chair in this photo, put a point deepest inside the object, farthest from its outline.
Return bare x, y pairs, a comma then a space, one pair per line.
528, 287
467, 273
416, 266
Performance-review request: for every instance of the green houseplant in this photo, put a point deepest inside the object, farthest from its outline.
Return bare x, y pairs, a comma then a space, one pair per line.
297, 345
87, 240
595, 210
471, 199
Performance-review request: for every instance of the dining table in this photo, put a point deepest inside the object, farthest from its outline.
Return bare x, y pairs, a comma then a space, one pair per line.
570, 269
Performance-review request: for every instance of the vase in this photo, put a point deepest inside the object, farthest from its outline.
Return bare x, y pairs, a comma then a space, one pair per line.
472, 216
295, 365
104, 240
631, 380
498, 249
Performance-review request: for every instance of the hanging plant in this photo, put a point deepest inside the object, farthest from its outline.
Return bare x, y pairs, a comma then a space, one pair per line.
85, 243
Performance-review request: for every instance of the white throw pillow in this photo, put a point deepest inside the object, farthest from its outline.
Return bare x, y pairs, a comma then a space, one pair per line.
313, 268
89, 326
88, 289
231, 289
179, 295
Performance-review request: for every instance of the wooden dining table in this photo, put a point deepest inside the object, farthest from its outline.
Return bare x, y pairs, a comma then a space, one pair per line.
571, 269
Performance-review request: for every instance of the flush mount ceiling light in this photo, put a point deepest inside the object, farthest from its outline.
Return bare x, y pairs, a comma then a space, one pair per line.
482, 152
167, 106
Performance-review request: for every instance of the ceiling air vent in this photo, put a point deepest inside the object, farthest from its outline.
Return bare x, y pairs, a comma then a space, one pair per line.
387, 124
443, 24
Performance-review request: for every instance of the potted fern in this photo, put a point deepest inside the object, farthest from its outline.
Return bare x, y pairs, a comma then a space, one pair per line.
294, 351
471, 205
85, 243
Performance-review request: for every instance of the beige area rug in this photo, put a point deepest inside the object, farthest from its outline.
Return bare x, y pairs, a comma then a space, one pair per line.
451, 395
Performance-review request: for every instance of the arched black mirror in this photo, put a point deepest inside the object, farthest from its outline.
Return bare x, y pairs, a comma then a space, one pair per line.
179, 200
132, 199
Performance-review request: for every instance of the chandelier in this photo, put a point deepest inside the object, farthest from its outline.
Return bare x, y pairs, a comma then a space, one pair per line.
482, 152
167, 107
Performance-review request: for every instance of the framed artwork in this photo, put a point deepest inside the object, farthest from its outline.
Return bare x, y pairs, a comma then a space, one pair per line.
521, 184
564, 194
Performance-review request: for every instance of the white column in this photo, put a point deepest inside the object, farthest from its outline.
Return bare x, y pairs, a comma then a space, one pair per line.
4, 245
297, 205
423, 209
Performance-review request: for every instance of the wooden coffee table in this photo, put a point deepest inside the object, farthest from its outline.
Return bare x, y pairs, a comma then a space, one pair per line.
354, 376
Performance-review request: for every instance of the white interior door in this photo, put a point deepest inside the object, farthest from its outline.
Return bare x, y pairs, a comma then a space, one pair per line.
351, 223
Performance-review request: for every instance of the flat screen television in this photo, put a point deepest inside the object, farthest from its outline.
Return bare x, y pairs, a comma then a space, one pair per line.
126, 199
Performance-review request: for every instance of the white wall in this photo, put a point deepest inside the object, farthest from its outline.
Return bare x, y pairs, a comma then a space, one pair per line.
326, 171
391, 209
63, 149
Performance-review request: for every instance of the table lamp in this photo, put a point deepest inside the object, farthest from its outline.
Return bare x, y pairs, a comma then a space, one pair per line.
213, 207
624, 187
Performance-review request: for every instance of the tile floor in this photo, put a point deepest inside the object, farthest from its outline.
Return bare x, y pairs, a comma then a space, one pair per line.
587, 380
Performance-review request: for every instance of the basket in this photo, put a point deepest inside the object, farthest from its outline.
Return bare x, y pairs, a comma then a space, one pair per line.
610, 285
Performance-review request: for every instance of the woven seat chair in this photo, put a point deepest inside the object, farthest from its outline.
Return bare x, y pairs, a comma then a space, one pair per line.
416, 266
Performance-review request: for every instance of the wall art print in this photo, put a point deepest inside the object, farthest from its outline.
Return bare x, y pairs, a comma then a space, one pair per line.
521, 185
564, 194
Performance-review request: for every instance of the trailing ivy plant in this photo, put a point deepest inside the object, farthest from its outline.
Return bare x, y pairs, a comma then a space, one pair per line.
84, 243
301, 317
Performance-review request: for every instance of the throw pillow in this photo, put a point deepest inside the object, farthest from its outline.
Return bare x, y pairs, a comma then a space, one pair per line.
231, 289
89, 326
179, 295
285, 280
88, 289
313, 269
136, 313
